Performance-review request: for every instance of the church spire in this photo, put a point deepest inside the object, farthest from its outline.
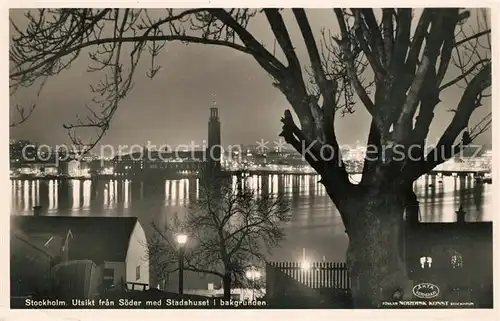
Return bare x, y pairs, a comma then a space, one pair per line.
214, 101
214, 139
214, 113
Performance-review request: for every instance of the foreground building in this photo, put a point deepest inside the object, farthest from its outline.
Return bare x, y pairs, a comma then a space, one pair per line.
457, 257
30, 266
111, 249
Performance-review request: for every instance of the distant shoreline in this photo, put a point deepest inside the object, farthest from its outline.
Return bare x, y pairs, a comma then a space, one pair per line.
475, 173
113, 177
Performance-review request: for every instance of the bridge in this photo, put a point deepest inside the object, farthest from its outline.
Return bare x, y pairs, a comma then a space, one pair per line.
475, 173
446, 169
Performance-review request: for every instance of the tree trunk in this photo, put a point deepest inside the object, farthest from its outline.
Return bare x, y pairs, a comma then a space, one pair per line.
374, 255
226, 284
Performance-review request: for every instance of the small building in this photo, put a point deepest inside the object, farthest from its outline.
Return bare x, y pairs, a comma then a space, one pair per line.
27, 170
70, 168
76, 279
117, 245
36, 168
30, 266
159, 165
50, 170
457, 257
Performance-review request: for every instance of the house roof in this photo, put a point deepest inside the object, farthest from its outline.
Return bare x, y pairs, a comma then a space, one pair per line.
20, 235
94, 238
465, 237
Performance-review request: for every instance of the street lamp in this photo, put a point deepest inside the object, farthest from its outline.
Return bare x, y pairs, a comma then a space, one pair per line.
253, 275
181, 240
305, 265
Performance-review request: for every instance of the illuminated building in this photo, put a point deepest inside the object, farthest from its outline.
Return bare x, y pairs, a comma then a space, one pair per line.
22, 151
487, 159
158, 165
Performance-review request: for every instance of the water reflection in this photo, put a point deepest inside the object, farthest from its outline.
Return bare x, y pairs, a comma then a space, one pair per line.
442, 196
443, 193
315, 222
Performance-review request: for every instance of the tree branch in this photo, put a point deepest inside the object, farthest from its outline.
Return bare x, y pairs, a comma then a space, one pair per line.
418, 40
260, 53
464, 74
191, 268
362, 33
429, 100
280, 32
133, 39
402, 41
328, 88
388, 29
474, 36
441, 35
345, 44
468, 103
376, 43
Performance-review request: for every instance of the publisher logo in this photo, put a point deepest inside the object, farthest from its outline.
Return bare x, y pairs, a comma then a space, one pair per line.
425, 290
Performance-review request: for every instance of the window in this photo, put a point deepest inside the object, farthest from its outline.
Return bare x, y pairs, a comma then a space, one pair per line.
138, 272
109, 273
108, 278
457, 260
425, 262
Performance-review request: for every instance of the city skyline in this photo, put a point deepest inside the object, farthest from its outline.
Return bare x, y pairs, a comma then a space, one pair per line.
179, 98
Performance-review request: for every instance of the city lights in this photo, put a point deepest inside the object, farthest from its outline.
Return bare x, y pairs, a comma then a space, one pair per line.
253, 274
305, 265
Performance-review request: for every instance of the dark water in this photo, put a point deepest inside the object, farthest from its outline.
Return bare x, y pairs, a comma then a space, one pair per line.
315, 226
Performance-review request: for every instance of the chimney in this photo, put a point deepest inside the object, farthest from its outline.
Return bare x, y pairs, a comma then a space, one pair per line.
37, 210
460, 215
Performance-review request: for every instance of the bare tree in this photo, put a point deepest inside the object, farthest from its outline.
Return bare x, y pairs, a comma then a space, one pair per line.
230, 231
395, 62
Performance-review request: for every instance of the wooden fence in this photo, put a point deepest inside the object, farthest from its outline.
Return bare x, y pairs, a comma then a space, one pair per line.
316, 275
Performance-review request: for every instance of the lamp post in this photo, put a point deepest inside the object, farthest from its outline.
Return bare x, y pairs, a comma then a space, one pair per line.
181, 240
253, 275
305, 264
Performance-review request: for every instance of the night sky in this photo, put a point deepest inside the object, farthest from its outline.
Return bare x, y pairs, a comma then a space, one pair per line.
173, 108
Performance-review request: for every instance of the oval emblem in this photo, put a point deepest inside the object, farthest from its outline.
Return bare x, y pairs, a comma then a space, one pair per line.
425, 290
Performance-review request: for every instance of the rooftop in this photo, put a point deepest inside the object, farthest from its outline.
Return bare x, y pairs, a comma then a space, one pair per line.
94, 238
